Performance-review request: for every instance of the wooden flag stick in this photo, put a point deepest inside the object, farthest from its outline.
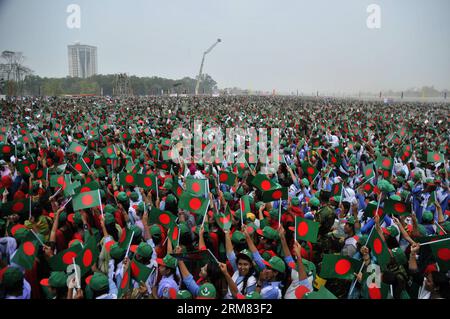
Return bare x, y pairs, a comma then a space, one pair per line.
279, 213
434, 242
129, 245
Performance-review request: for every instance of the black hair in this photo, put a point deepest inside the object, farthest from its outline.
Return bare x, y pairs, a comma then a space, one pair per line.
441, 282
215, 277
112, 231
98, 293
15, 290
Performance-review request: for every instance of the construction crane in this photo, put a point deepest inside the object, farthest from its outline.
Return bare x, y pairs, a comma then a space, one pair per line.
201, 66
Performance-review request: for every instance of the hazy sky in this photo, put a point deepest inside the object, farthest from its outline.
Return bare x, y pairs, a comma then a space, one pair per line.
284, 45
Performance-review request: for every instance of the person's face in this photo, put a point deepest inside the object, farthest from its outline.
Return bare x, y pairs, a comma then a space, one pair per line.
347, 229
243, 267
269, 274
162, 270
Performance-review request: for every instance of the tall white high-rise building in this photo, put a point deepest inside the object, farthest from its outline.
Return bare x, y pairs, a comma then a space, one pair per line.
82, 60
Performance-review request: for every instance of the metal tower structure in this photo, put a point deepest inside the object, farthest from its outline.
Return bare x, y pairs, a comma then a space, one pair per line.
122, 85
201, 65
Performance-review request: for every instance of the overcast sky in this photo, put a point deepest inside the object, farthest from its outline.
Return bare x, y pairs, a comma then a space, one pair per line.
267, 44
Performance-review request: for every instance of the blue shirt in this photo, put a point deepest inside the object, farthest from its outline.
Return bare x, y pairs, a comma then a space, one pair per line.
164, 286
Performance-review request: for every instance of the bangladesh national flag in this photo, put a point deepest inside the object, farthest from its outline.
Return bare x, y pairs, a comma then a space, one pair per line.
7, 149
164, 218
306, 229
244, 205
368, 188
379, 249
86, 200
109, 152
227, 178
310, 170
18, 206
371, 209
76, 148
125, 238
26, 139
147, 181
80, 166
385, 163
197, 258
70, 189
27, 252
174, 234
65, 258
406, 153
340, 267
263, 183
94, 185
441, 253
125, 283
396, 207
197, 205
26, 167
334, 159
336, 189
42, 173
139, 271
368, 172
435, 157
88, 257
164, 165
275, 194
166, 142
3, 138
127, 179
176, 188
197, 187
125, 136
224, 220
370, 289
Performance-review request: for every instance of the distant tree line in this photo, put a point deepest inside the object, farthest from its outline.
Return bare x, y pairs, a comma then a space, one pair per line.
35, 85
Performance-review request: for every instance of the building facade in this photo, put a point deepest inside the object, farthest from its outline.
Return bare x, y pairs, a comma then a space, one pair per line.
82, 60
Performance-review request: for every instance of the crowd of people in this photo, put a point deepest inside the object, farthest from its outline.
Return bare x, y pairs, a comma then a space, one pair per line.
359, 207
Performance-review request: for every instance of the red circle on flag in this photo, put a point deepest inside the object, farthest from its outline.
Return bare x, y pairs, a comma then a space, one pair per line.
148, 181
251, 159
1, 138
129, 179
374, 292
17, 207
444, 254
385, 174
33, 167
87, 200
125, 280
87, 258
300, 291
436, 157
87, 160
333, 160
399, 207
265, 185
164, 166
25, 139
125, 135
195, 203
154, 152
167, 142
379, 213
342, 267
68, 257
164, 219
109, 150
26, 169
135, 269
406, 154
58, 140
369, 171
377, 246
277, 194
196, 187
175, 233
85, 189
242, 165
310, 170
224, 220
302, 229
28, 248
78, 149
98, 162
6, 149
179, 191
367, 187
78, 167
40, 174
223, 177
386, 162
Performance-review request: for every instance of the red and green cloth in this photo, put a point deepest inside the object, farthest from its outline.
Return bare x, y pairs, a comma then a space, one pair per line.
275, 194
197, 205
339, 267
263, 183
379, 249
86, 200
76, 148
306, 229
228, 178
27, 252
163, 218
197, 187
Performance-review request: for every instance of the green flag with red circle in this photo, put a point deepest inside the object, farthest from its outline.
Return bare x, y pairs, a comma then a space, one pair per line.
406, 153
224, 220
27, 252
109, 152
197, 205
147, 181
441, 253
336, 189
125, 284
60, 261
306, 229
263, 183
435, 157
371, 210
228, 178
163, 218
373, 290
86, 200
128, 179
88, 187
88, 257
385, 163
139, 271
76, 148
379, 249
80, 166
275, 194
339, 267
368, 172
18, 206
396, 207
197, 187
244, 205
